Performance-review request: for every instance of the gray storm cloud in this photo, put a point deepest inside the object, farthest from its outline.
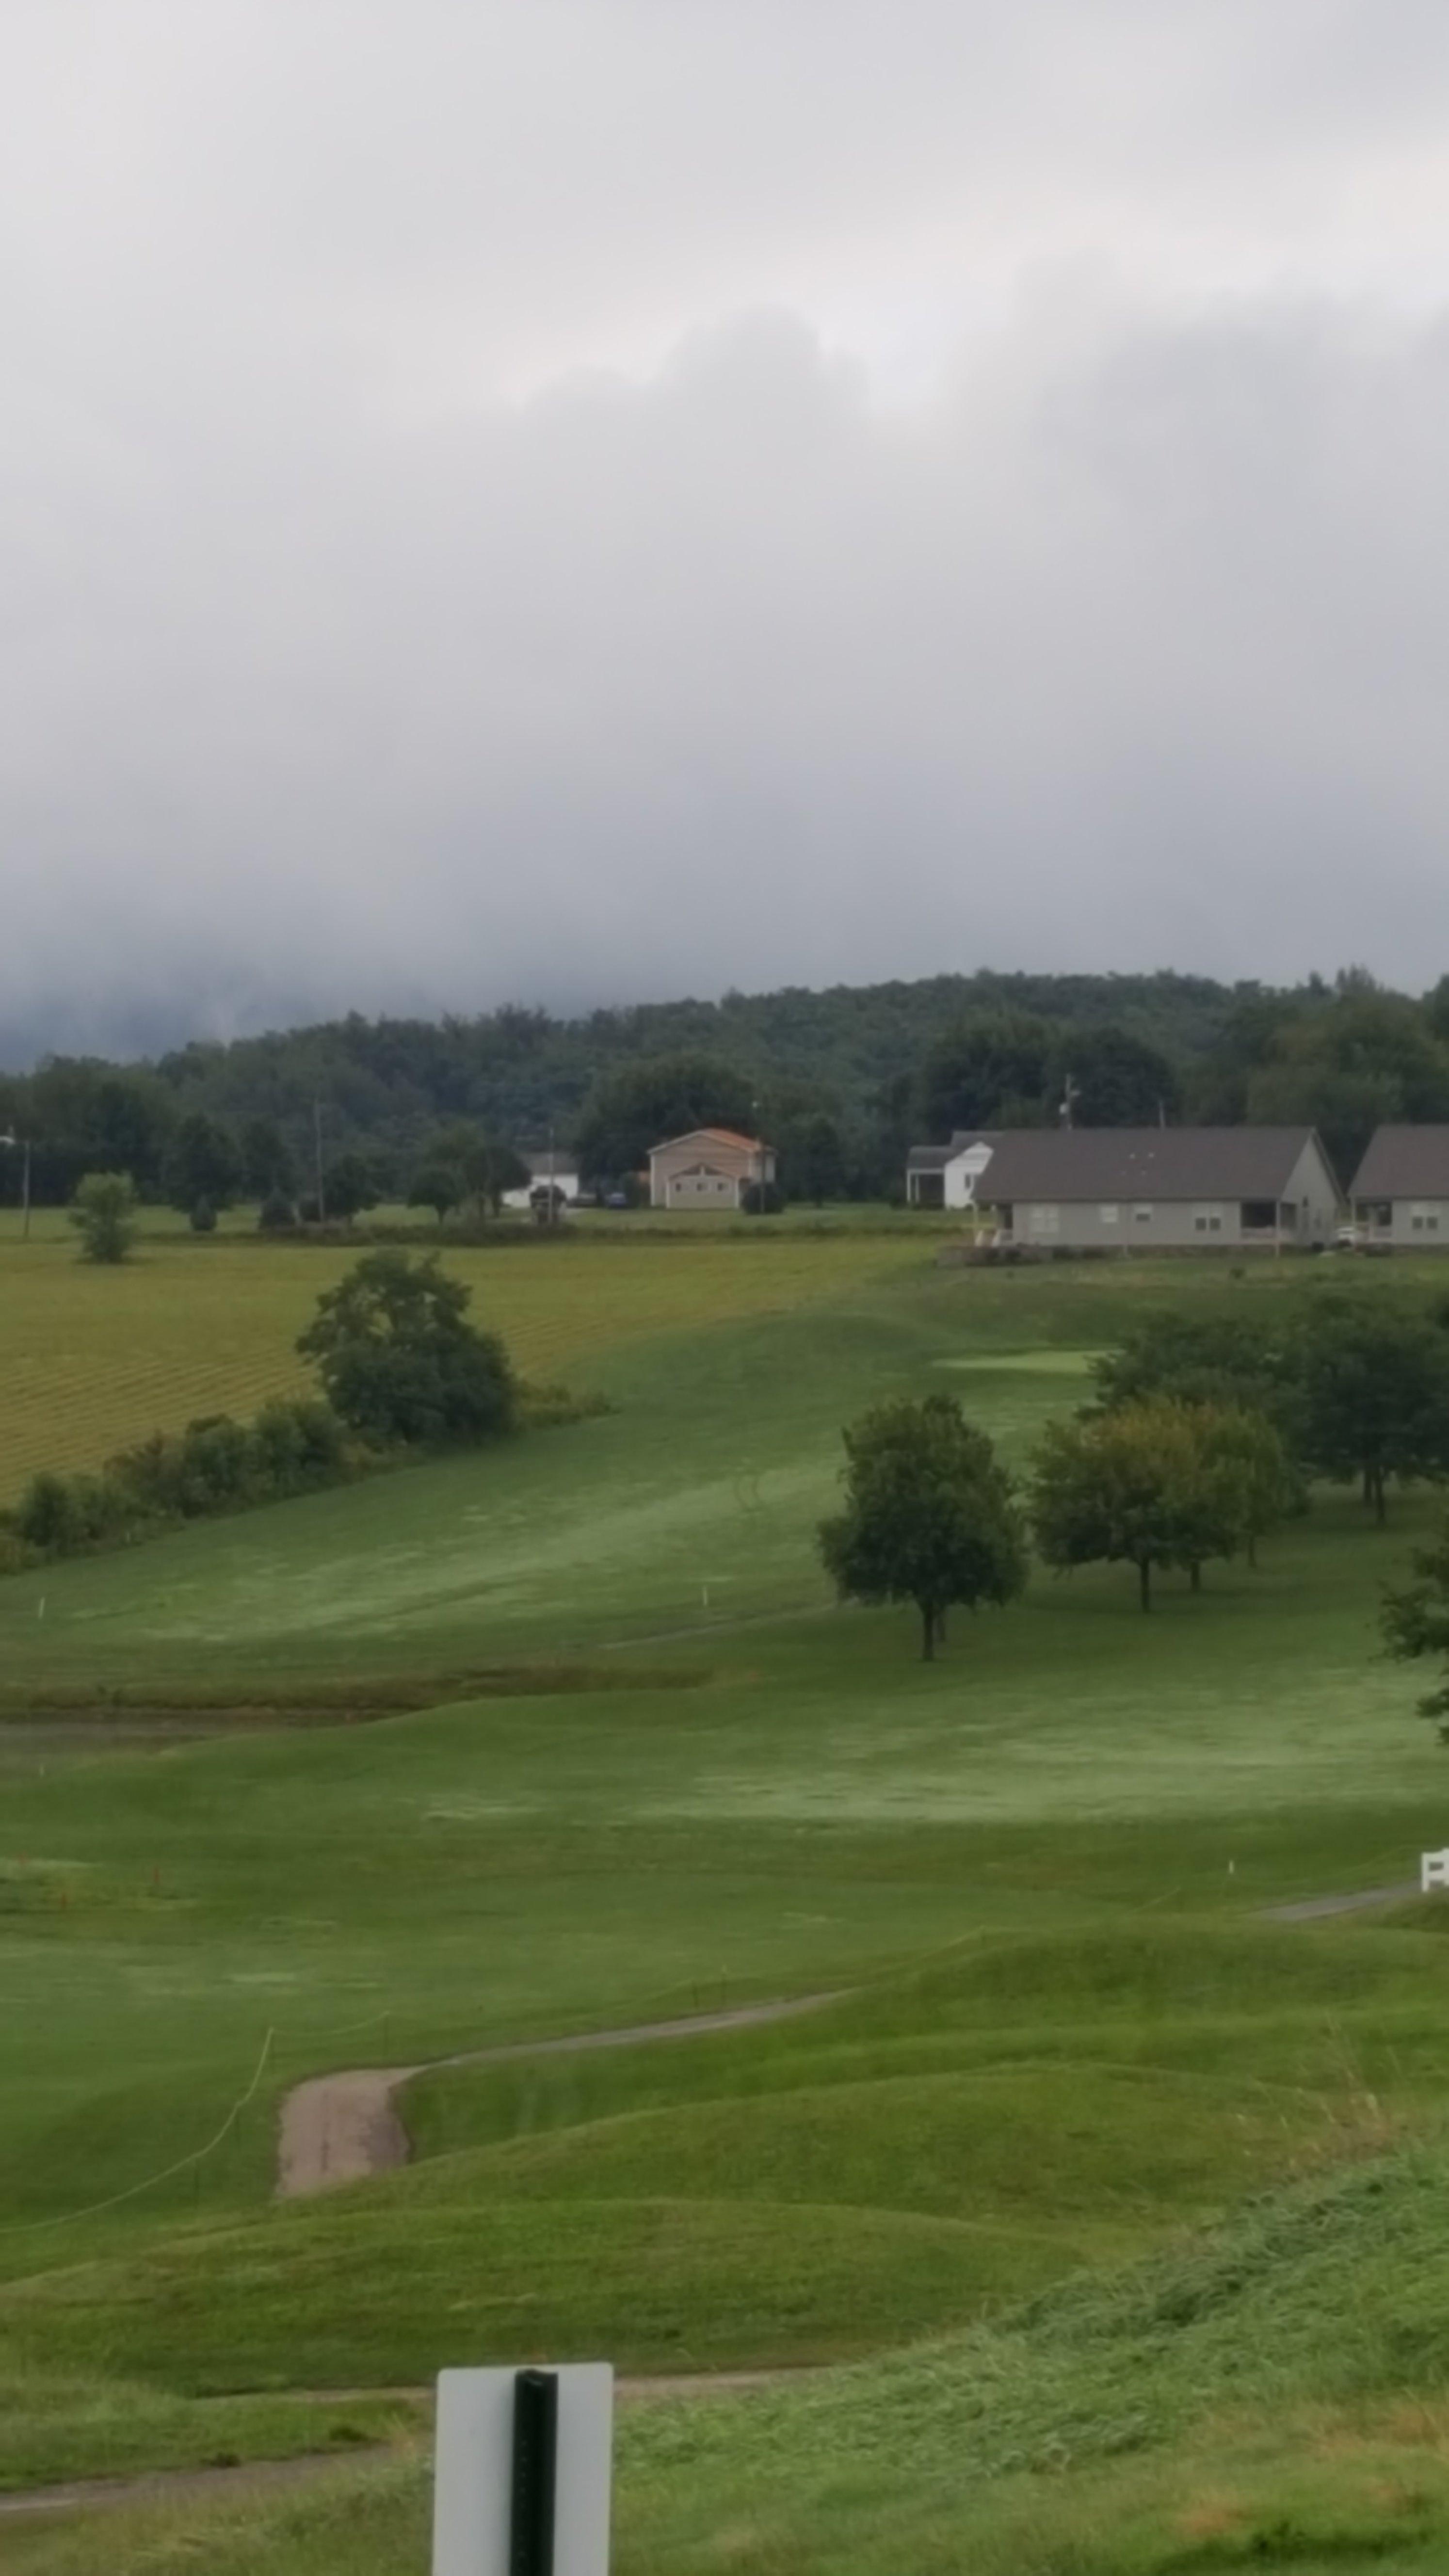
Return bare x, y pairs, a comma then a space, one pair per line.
588, 503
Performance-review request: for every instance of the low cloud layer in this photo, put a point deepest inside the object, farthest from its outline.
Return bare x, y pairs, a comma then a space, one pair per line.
587, 504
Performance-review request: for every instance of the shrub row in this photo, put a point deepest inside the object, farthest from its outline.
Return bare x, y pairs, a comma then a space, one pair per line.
294, 1446
216, 1465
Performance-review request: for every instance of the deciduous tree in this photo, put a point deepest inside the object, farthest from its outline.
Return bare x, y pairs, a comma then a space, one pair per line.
104, 1216
1132, 1487
399, 1359
929, 1515
1375, 1396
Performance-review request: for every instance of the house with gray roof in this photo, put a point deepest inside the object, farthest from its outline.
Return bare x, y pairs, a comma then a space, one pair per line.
1400, 1191
1140, 1189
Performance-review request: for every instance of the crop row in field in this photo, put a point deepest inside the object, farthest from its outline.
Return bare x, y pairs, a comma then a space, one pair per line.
97, 1358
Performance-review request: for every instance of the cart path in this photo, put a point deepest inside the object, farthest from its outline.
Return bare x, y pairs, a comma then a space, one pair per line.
1317, 1909
343, 2128
258, 2477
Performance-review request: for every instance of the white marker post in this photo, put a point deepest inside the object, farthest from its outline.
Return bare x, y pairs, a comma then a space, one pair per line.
1433, 1871
523, 2471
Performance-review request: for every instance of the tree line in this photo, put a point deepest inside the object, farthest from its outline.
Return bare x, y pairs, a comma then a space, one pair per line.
1203, 1436
842, 1082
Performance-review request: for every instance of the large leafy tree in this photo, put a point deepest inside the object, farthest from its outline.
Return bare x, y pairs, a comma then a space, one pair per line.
1364, 1058
104, 1216
1138, 1487
203, 1168
929, 1515
267, 1168
643, 1103
1416, 1622
1374, 1394
1116, 1080
399, 1360
351, 1186
990, 1071
1205, 1359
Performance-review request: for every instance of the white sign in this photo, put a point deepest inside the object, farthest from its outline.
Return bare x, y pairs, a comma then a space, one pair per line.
474, 2477
1433, 1871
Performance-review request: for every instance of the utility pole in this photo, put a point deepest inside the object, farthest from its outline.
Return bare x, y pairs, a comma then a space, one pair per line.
22, 1147
321, 1190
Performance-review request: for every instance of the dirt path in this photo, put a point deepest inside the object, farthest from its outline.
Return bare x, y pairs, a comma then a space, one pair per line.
1317, 1909
344, 2128
257, 2477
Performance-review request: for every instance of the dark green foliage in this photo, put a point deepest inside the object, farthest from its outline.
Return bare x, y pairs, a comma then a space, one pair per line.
1004, 1069
991, 1071
399, 1360
277, 1213
104, 1216
1367, 1058
1116, 1080
643, 1104
1343, 1055
811, 1154
267, 1167
215, 1465
1415, 1621
929, 1515
203, 1169
439, 1186
352, 1185
1207, 1359
1374, 1396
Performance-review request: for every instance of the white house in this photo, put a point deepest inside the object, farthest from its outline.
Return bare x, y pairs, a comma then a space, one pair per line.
560, 1167
1136, 1188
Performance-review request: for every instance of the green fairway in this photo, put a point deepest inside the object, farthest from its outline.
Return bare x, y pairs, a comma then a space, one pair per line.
679, 1778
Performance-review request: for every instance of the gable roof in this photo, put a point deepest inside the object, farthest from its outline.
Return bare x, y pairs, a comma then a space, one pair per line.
1404, 1163
712, 1136
1073, 1164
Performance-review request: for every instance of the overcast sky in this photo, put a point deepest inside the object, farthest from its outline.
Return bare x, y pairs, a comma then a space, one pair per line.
592, 499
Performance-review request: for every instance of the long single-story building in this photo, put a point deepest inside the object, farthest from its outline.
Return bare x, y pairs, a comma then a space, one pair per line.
1135, 1188
1400, 1191
711, 1167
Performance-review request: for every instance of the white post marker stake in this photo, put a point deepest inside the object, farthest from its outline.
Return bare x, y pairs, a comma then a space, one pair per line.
1433, 1871
523, 2471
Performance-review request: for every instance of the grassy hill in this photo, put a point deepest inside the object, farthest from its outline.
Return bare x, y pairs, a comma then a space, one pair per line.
637, 1765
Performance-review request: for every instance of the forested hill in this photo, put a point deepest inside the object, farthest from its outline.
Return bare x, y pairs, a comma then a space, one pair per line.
841, 1079
520, 1071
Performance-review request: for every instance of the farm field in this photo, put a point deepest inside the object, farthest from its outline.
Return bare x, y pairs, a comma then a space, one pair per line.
1033, 1878
95, 1359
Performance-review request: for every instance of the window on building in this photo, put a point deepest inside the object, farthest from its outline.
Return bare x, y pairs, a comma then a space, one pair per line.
1260, 1216
1142, 1216
1207, 1220
1424, 1220
1108, 1212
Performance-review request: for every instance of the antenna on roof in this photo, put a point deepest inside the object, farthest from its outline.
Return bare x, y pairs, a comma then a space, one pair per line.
1070, 1096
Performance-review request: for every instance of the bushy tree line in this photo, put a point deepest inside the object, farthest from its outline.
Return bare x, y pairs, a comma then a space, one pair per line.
841, 1082
402, 1369
215, 1465
1203, 1439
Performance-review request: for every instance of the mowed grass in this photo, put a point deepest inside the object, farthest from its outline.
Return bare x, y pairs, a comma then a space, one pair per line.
1272, 2393
1032, 1873
97, 1358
